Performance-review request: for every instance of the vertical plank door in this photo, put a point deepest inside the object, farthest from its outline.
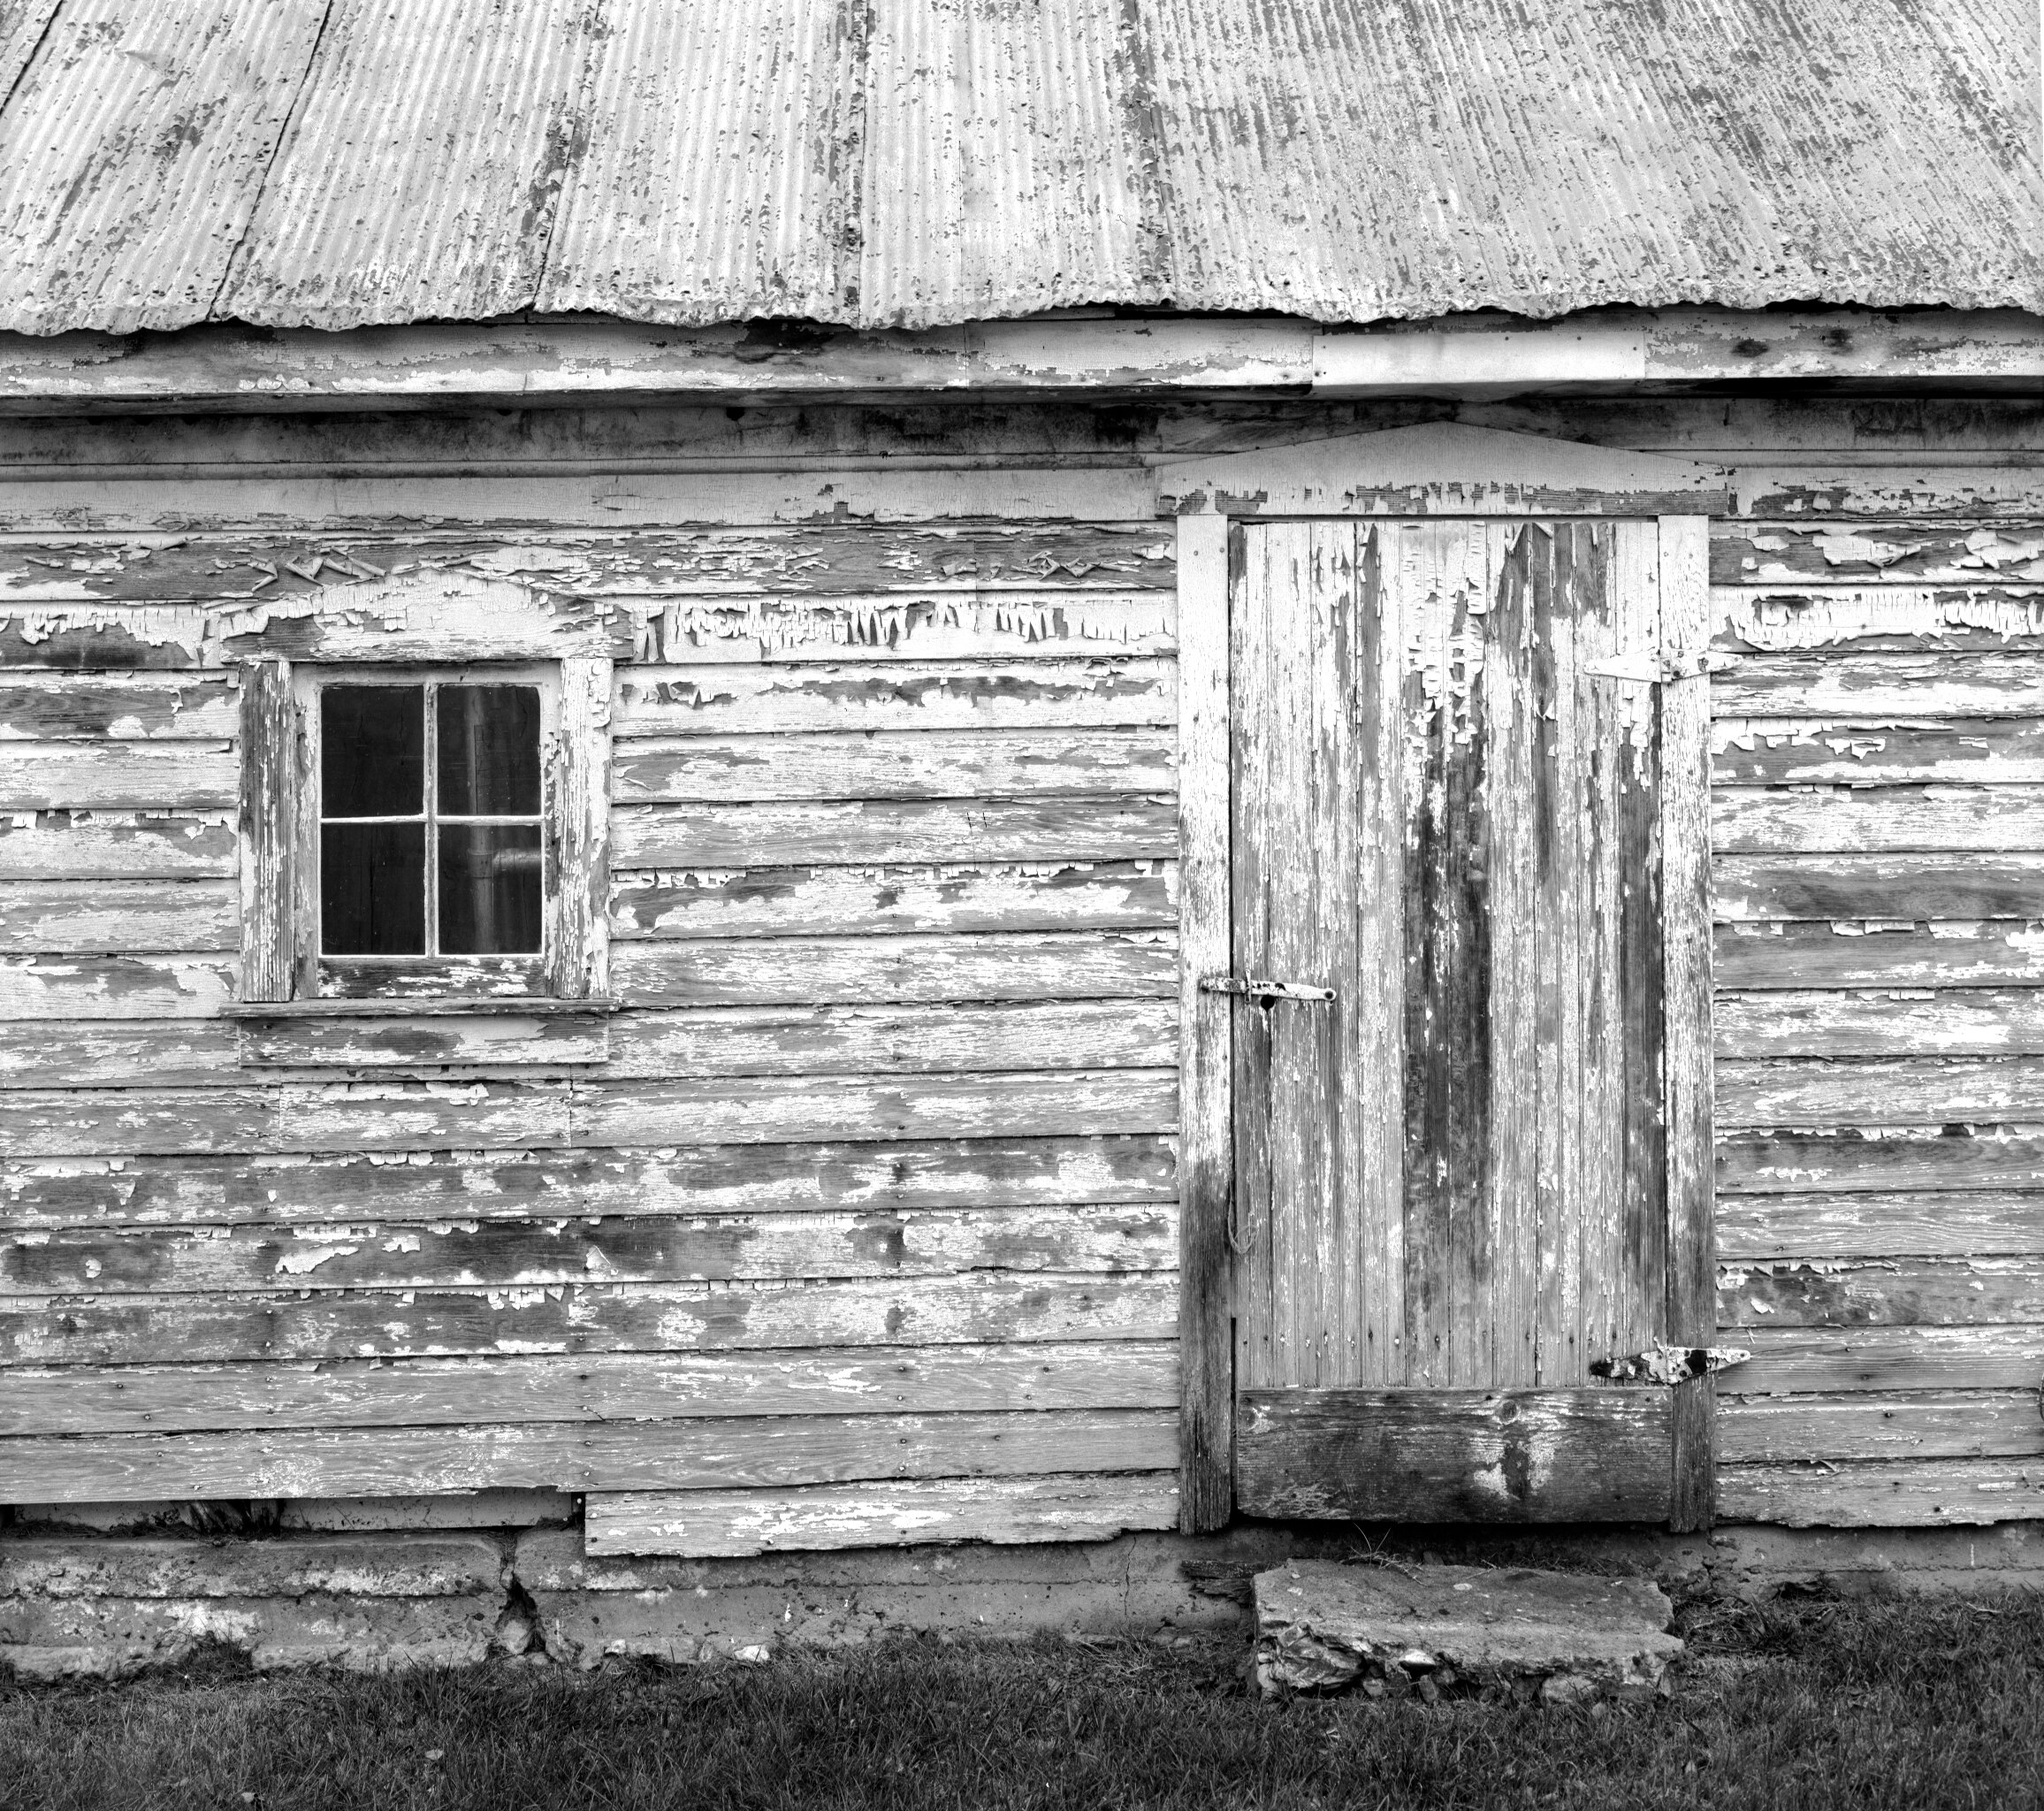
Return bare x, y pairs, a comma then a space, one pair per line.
1453, 1189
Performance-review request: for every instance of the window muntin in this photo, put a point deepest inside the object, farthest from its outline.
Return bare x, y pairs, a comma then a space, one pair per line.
430, 818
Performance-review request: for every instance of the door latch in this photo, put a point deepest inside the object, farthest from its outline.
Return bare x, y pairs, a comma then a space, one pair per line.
1655, 669
1263, 989
1669, 1364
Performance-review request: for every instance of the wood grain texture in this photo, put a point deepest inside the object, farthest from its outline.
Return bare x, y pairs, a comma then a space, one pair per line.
416, 1042
1005, 1308
95, 707
1811, 1092
1913, 1423
859, 833
611, 1387
1860, 752
115, 775
1892, 1494
1894, 552
1836, 683
707, 1454
84, 917
1004, 1511
1104, 691
1907, 1291
1883, 1360
1920, 887
1822, 1022
1832, 1226
1455, 1455
897, 970
842, 901
537, 1254
271, 832
483, 1184
578, 827
896, 764
81, 846
114, 986
1957, 820
1936, 1159
1869, 954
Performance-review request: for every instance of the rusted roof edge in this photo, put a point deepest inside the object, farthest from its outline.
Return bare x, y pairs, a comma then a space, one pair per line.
586, 361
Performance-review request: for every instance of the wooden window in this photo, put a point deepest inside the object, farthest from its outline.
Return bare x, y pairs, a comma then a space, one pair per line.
430, 836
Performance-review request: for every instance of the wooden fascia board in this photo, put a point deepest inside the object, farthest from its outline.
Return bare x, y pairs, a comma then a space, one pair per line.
229, 366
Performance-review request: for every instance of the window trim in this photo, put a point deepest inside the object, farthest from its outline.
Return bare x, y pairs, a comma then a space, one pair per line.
280, 966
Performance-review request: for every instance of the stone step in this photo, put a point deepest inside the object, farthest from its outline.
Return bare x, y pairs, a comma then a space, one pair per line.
1325, 1626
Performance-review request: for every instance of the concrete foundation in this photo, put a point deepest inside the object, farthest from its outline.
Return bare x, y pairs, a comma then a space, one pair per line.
77, 1598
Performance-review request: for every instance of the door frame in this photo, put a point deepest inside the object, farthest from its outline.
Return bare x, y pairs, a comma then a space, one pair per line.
1441, 469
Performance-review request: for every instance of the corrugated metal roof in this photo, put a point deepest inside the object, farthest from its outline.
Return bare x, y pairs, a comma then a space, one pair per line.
913, 162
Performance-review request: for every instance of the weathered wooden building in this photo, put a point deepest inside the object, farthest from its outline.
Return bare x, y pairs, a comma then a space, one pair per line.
850, 773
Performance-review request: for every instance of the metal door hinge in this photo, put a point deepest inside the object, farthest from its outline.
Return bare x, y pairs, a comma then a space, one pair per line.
1669, 1364
1652, 669
1262, 990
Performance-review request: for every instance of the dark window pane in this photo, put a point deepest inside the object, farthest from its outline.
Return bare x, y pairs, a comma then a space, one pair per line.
372, 751
372, 889
489, 889
489, 751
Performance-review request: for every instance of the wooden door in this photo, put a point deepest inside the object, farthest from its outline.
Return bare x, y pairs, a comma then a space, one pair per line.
1450, 807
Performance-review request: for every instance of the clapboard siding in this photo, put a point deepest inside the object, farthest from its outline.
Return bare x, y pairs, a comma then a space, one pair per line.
881, 1148
1878, 755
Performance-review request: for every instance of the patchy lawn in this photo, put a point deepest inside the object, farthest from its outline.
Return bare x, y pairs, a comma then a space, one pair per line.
1915, 1704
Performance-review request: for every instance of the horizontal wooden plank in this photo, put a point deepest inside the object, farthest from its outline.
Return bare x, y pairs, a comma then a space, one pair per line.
1975, 953
1006, 1511
870, 1176
114, 1053
1922, 1424
930, 624
553, 1254
601, 1386
650, 561
893, 1039
114, 987
1966, 820
1910, 889
894, 764
629, 1319
853, 901
1855, 685
393, 1116
1103, 691
1937, 1158
1893, 552
897, 970
984, 1308
860, 834
771, 1110
64, 845
1861, 752
1891, 1493
1870, 1225
112, 775
93, 706
1878, 1091
97, 916
1926, 490
1883, 1292
1947, 618
1981, 1021
367, 505
1455, 1455
707, 1454
1889, 1358
436, 1041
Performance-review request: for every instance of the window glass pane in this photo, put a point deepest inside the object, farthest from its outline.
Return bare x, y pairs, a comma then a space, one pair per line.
372, 751
372, 889
489, 889
489, 751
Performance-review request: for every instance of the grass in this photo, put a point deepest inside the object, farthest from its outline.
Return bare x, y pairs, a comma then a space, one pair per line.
1915, 1703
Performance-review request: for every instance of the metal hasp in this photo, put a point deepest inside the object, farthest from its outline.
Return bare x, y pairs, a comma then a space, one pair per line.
1653, 669
1263, 989
1669, 1364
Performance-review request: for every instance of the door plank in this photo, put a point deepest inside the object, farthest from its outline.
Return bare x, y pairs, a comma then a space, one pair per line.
1453, 1455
